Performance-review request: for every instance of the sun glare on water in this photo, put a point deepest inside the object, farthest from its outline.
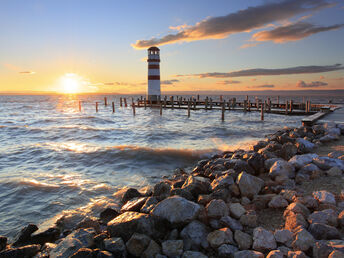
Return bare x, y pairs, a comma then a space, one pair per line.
71, 83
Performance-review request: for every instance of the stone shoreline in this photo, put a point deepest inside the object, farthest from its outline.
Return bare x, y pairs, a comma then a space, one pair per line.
214, 210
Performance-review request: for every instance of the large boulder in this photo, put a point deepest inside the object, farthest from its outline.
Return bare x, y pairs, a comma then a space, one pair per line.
152, 250
297, 207
323, 248
263, 240
327, 216
298, 161
256, 161
197, 185
326, 163
284, 236
323, 231
222, 182
288, 150
137, 244
324, 197
236, 210
134, 204
195, 234
176, 209
239, 165
281, 170
304, 146
249, 185
303, 240
293, 220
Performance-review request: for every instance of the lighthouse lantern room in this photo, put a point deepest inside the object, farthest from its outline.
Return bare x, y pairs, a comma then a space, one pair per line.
154, 92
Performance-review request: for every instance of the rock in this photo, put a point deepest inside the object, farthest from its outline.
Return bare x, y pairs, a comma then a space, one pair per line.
275, 254
327, 216
196, 234
249, 220
326, 163
149, 205
172, 248
284, 236
236, 210
239, 165
225, 251
297, 207
231, 223
152, 250
309, 201
222, 182
249, 185
304, 146
323, 231
341, 219
176, 209
137, 244
299, 161
263, 240
83, 253
281, 170
162, 190
193, 254
261, 201
324, 197
220, 237
45, 250
335, 154
289, 195
73, 242
135, 204
278, 202
108, 214
288, 150
132, 222
129, 194
216, 209
256, 161
24, 251
334, 171
303, 240
116, 246
248, 254
243, 240
24, 236
336, 254
259, 145
323, 248
197, 185
293, 220
296, 254
50, 235
269, 162
3, 242
182, 193
309, 169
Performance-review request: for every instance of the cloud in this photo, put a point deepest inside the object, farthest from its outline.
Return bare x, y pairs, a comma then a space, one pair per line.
228, 82
292, 32
302, 84
264, 71
27, 72
240, 21
169, 82
263, 86
247, 45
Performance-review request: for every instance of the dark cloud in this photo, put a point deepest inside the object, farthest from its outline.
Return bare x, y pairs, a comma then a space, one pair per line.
263, 71
302, 84
292, 32
27, 72
228, 82
240, 21
169, 82
263, 86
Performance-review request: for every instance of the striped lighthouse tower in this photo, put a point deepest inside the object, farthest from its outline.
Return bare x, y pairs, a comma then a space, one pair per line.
153, 74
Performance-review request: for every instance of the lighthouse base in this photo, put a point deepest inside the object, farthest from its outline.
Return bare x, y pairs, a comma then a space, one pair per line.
154, 98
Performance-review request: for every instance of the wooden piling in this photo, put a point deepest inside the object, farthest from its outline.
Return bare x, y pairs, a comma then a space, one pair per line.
125, 102
120, 102
286, 107
277, 100
291, 106
172, 102
113, 107
145, 103
105, 101
249, 106
211, 103
223, 111
220, 98
189, 108
198, 97
262, 112
79, 106
160, 109
206, 103
165, 102
96, 106
133, 106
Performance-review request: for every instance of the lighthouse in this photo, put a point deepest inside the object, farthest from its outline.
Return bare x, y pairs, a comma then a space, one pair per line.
154, 74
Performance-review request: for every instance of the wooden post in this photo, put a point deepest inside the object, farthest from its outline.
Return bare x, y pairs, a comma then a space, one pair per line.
189, 108
145, 103
105, 101
120, 102
206, 103
151, 103
79, 106
249, 106
286, 107
133, 106
160, 109
96, 106
277, 101
246, 97
165, 102
262, 112
172, 102
113, 107
245, 106
125, 102
291, 106
223, 111
220, 98
198, 97
234, 102
211, 103
310, 106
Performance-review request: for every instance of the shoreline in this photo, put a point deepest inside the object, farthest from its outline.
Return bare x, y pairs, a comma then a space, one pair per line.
218, 210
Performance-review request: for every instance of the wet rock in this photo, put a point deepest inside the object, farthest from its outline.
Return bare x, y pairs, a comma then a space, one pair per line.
297, 207
195, 233
172, 248
263, 240
248, 254
236, 210
281, 170
73, 242
296, 254
45, 250
116, 246
220, 237
326, 163
278, 202
231, 223
137, 244
130, 222
193, 254
129, 194
135, 204
293, 220
182, 193
243, 240
197, 185
152, 250
324, 197
249, 185
24, 251
298, 161
303, 240
222, 182
162, 190
284, 236
24, 236
225, 251
108, 214
149, 205
323, 231
327, 216
217, 209
275, 254
50, 235
176, 209
3, 242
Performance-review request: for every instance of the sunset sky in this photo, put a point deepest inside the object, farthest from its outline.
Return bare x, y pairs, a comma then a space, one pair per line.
100, 46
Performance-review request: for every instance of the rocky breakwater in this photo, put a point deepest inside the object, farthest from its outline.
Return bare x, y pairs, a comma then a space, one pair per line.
226, 207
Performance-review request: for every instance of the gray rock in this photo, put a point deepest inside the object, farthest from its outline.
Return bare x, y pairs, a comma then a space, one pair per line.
326, 163
231, 223
108, 214
172, 248
293, 220
134, 204
341, 219
323, 231
24, 235
281, 170
176, 209
197, 185
236, 210
263, 240
304, 145
243, 240
269, 162
3, 242
220, 237
222, 182
336, 254
152, 250
193, 254
249, 220
335, 154
299, 161
296, 254
288, 150
248, 254
334, 171
129, 194
303, 240
309, 169
249, 185
137, 244
284, 236
196, 233
217, 209
162, 189
278, 202
24, 251
324, 197
323, 248
149, 205
239, 165
297, 207
256, 161
275, 254
327, 216
225, 251
116, 246
284, 250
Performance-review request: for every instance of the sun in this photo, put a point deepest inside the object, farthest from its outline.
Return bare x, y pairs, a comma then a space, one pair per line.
70, 83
